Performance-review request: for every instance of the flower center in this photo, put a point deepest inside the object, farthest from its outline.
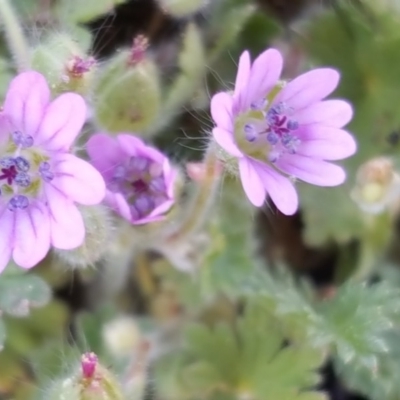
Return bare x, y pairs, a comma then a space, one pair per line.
23, 168
266, 131
141, 181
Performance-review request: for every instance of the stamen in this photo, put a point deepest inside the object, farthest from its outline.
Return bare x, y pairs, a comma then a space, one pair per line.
156, 170
290, 142
259, 105
18, 202
23, 179
22, 164
22, 140
250, 132
45, 172
144, 205
157, 185
7, 162
292, 125
272, 138
273, 155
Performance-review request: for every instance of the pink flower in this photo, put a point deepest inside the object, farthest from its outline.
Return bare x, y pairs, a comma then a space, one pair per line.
40, 180
277, 131
140, 180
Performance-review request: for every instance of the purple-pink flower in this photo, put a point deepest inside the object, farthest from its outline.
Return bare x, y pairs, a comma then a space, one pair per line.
140, 180
39, 179
278, 131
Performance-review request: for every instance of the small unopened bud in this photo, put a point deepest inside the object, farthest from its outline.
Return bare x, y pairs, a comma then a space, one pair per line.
128, 92
98, 225
138, 50
88, 364
121, 336
197, 171
182, 8
64, 63
89, 381
377, 185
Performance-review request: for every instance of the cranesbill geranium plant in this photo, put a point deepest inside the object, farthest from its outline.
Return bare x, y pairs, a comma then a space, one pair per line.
277, 131
40, 180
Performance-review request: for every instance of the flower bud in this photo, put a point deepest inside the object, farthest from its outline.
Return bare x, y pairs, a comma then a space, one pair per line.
64, 63
377, 185
98, 224
121, 336
77, 11
127, 93
89, 381
182, 8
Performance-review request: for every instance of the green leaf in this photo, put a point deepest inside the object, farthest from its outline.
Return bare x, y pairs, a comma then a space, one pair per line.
358, 318
247, 359
358, 323
20, 293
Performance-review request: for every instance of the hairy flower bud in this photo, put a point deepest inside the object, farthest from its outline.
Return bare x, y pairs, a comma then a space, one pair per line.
121, 336
127, 93
89, 381
377, 185
64, 64
98, 225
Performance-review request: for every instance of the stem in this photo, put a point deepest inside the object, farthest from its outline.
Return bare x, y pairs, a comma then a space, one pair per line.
202, 200
14, 35
373, 244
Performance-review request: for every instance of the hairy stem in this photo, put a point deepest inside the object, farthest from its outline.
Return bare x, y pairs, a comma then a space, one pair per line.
202, 200
14, 35
373, 245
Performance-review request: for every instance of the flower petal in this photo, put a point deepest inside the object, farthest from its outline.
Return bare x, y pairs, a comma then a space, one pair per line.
334, 113
105, 153
309, 88
264, 75
310, 170
62, 122
326, 143
242, 78
26, 100
162, 208
170, 177
251, 182
279, 188
133, 146
78, 180
221, 110
32, 235
6, 236
119, 204
67, 229
226, 141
